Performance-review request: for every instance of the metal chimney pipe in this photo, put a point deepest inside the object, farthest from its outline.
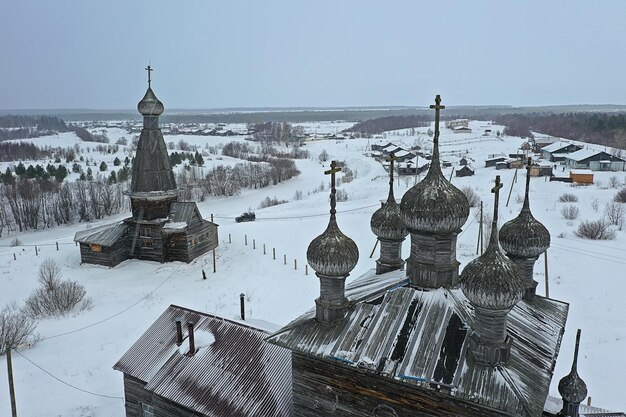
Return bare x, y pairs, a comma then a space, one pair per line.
242, 306
179, 331
192, 343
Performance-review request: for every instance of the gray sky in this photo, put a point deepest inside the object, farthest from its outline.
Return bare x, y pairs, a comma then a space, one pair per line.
231, 53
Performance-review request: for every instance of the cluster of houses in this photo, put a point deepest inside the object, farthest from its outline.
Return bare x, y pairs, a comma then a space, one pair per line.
459, 125
408, 161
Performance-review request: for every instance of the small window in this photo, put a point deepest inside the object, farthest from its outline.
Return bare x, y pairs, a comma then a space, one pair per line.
146, 243
147, 410
145, 232
95, 247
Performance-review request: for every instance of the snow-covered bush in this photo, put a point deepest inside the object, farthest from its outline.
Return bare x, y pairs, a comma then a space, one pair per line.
16, 242
55, 297
615, 214
323, 156
595, 230
569, 212
614, 182
269, 202
620, 196
472, 198
568, 198
16, 328
342, 195
298, 195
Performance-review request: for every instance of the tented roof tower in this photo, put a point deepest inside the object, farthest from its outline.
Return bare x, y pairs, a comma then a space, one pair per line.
153, 187
434, 211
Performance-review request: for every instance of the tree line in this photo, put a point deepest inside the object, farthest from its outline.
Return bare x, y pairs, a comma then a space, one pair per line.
383, 124
24, 127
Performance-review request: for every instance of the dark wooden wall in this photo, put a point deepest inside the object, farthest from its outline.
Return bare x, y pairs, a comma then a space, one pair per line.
135, 394
204, 234
327, 388
108, 256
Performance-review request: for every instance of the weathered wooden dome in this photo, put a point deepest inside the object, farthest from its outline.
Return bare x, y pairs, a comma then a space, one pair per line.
434, 205
524, 236
492, 281
332, 253
386, 222
150, 105
571, 387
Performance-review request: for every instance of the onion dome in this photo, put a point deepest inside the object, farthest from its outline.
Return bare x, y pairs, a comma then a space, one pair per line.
150, 105
386, 222
434, 205
525, 236
571, 387
492, 281
332, 253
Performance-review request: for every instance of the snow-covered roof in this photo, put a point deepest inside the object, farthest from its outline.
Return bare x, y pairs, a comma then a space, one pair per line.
462, 128
431, 352
581, 172
583, 154
556, 146
105, 235
233, 372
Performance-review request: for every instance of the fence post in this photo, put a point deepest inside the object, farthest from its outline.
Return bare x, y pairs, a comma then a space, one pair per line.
245, 239
14, 258
229, 241
253, 243
11, 386
306, 269
36, 253
57, 245
274, 253
264, 249
295, 264
203, 274
214, 265
284, 259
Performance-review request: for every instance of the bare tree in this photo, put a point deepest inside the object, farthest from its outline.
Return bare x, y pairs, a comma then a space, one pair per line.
16, 328
595, 230
569, 212
615, 214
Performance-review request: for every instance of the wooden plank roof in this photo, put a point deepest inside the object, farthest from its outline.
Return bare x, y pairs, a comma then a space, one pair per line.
420, 337
105, 235
238, 373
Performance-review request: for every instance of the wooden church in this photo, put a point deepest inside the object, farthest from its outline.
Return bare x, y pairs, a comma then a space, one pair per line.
414, 338
161, 228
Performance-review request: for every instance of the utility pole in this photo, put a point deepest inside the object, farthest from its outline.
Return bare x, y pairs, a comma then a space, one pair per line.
511, 189
11, 386
545, 261
479, 243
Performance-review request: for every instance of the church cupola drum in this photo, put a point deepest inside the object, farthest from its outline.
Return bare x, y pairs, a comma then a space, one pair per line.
523, 239
387, 225
153, 187
494, 285
332, 255
434, 211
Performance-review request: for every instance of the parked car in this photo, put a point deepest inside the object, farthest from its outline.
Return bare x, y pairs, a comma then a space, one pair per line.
246, 217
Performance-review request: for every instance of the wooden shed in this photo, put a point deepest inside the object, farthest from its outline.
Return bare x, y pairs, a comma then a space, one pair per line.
187, 235
465, 171
581, 176
105, 245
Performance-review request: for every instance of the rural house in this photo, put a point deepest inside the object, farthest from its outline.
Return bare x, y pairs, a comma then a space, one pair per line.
595, 160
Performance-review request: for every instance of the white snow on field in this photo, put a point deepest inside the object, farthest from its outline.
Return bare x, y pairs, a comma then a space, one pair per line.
82, 348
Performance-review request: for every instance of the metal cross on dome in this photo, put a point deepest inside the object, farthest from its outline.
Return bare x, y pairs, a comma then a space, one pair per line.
391, 159
332, 171
149, 69
496, 190
437, 106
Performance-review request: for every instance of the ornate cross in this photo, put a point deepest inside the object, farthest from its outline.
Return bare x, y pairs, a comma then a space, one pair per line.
437, 106
149, 69
496, 190
332, 171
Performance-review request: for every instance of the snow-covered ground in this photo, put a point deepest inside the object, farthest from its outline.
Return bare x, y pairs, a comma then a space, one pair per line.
82, 348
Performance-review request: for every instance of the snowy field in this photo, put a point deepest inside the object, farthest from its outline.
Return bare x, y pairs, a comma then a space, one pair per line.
81, 349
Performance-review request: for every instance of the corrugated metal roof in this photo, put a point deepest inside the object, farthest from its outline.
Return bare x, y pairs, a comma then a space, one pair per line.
420, 337
556, 146
239, 374
103, 235
554, 405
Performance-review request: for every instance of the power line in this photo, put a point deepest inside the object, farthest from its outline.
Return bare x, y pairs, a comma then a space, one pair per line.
67, 383
586, 253
303, 216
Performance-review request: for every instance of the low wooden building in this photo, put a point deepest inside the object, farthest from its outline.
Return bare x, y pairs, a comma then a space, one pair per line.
462, 129
541, 170
581, 176
558, 151
595, 160
187, 235
225, 369
465, 171
105, 245
493, 159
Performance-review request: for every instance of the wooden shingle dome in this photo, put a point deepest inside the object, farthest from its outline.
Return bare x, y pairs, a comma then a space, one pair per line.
150, 105
524, 236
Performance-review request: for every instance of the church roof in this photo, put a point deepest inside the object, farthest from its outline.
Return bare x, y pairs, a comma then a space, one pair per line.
150, 105
183, 211
234, 371
420, 337
105, 235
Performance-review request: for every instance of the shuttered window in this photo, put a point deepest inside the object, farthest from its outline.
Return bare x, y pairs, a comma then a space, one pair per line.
147, 410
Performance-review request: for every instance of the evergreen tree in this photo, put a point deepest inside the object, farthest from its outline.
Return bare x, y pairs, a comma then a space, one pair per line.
112, 178
61, 173
20, 169
89, 174
82, 177
103, 166
199, 159
117, 162
76, 168
126, 161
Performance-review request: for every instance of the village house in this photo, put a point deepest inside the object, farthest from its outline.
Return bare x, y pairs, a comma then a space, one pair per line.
493, 159
453, 124
595, 160
462, 129
539, 142
581, 176
465, 171
558, 151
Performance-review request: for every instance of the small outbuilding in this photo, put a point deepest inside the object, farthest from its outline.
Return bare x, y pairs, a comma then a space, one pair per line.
105, 245
462, 129
581, 176
493, 159
465, 171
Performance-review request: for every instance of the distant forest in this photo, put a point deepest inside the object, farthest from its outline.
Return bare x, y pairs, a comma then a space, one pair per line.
24, 127
607, 129
383, 124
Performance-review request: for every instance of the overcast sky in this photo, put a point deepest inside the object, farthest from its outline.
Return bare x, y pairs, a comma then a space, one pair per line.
229, 53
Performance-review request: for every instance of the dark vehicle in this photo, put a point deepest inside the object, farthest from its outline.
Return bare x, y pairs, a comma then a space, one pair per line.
246, 217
